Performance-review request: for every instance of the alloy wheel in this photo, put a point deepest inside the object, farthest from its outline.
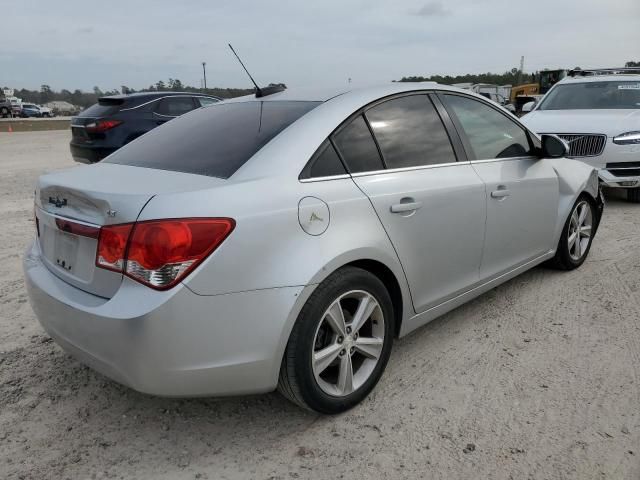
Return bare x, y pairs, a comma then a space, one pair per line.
580, 230
348, 343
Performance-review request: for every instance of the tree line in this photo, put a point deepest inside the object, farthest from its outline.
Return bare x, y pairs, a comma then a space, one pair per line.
85, 99
512, 77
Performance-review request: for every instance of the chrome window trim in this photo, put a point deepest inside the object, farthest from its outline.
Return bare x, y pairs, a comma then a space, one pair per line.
325, 179
408, 169
507, 159
382, 172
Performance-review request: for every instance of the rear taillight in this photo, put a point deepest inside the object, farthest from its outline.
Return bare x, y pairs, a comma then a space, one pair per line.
112, 246
160, 253
101, 126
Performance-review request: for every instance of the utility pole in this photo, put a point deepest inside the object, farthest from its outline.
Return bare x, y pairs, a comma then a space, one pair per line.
204, 71
521, 70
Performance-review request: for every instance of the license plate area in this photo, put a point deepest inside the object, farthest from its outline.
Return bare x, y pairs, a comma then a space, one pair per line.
65, 250
69, 255
79, 133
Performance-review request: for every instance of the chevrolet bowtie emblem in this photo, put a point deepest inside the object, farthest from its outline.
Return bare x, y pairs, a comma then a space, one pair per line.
58, 202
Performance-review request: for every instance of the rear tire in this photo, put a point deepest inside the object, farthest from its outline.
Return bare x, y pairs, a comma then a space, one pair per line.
577, 236
335, 356
633, 195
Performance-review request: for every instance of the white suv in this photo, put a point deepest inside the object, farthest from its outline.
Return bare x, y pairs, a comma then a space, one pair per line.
598, 113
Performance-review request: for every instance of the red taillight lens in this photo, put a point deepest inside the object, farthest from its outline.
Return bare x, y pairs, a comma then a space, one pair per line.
160, 253
112, 246
101, 126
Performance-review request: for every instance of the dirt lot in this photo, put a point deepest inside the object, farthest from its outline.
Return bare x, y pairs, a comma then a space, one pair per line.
538, 378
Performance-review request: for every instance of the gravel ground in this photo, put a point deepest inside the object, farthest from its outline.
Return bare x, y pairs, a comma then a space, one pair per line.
538, 379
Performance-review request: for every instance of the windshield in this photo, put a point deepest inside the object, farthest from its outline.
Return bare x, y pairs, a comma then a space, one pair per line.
593, 96
215, 140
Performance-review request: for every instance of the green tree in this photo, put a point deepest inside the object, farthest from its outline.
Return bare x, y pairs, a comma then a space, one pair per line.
46, 95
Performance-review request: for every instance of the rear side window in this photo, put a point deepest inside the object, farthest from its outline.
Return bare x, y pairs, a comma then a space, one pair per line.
357, 147
325, 163
204, 101
410, 133
175, 106
490, 133
214, 141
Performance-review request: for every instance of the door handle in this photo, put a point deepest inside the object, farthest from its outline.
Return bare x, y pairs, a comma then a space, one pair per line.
501, 192
406, 206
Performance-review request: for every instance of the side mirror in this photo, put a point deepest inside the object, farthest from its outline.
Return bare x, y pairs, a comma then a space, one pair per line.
527, 107
554, 147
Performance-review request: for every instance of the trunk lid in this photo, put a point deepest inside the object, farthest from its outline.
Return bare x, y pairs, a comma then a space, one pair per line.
72, 205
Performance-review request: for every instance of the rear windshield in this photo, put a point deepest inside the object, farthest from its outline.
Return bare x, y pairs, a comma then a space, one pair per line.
593, 95
215, 140
101, 109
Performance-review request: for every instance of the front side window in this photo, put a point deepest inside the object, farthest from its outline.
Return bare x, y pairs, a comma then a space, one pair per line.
490, 133
410, 133
593, 96
214, 141
357, 147
175, 106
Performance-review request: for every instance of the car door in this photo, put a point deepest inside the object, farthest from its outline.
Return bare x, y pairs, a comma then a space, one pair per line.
522, 190
431, 206
171, 107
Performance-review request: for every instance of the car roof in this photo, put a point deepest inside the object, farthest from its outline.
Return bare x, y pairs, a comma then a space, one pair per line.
303, 137
366, 94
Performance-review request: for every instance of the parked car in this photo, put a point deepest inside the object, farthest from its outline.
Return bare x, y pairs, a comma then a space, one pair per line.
6, 109
598, 113
284, 241
117, 120
30, 110
16, 106
45, 111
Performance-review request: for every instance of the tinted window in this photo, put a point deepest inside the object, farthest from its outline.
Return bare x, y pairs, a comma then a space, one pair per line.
410, 132
490, 133
593, 95
204, 101
174, 106
324, 163
213, 141
357, 147
101, 109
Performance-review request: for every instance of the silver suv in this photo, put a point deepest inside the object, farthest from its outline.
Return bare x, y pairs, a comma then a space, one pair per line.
598, 113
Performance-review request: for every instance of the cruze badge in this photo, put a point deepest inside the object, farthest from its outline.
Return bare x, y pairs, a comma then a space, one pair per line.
58, 202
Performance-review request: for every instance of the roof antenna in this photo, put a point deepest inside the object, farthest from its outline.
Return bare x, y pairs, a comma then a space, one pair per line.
260, 92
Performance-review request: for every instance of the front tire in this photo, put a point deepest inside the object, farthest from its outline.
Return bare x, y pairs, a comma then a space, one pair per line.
340, 343
633, 195
577, 236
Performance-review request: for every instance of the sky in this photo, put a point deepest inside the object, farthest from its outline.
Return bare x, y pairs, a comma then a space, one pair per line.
78, 44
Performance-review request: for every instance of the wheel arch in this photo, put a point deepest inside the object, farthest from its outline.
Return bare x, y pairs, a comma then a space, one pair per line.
388, 278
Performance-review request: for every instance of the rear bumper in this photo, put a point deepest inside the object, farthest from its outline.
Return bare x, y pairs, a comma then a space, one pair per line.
173, 343
89, 153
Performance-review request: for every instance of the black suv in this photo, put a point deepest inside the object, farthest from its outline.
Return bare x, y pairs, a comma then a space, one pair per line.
114, 121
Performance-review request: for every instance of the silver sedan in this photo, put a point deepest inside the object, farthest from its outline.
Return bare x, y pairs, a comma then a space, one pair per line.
285, 241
